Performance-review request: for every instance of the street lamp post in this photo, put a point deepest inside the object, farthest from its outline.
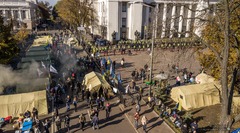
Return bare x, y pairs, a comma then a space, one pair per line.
154, 24
153, 37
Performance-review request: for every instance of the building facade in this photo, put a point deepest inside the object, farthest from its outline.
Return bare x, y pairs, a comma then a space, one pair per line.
169, 18
20, 12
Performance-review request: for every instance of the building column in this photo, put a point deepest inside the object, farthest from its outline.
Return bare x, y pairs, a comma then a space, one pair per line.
172, 21
4, 13
130, 21
189, 21
12, 15
29, 14
20, 15
26, 14
164, 20
200, 13
156, 9
180, 26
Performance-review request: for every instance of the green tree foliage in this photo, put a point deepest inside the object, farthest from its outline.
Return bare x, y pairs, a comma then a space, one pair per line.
76, 13
21, 35
8, 47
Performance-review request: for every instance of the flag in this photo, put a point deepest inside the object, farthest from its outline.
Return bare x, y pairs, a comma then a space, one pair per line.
115, 90
179, 106
47, 46
119, 78
52, 69
43, 65
111, 69
39, 72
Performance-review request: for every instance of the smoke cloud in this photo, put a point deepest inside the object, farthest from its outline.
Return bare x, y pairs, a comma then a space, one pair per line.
26, 78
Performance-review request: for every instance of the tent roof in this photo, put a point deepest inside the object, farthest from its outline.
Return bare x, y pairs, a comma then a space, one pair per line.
204, 78
37, 48
95, 79
35, 58
37, 53
198, 88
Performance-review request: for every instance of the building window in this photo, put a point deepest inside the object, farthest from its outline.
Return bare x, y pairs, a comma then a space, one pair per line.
124, 22
124, 6
23, 14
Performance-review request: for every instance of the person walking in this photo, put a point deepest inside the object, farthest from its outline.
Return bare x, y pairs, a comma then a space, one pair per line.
37, 130
108, 110
68, 101
82, 120
35, 114
75, 103
122, 63
138, 108
46, 126
194, 127
144, 123
136, 118
102, 102
95, 122
67, 122
58, 123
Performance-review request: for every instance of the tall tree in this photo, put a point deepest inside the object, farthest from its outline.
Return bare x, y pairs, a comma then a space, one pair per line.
76, 13
222, 57
8, 47
44, 10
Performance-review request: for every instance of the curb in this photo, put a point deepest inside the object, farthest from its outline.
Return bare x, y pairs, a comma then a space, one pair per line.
160, 118
122, 109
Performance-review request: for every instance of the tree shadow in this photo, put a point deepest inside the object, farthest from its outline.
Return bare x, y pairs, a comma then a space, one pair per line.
205, 129
199, 118
196, 111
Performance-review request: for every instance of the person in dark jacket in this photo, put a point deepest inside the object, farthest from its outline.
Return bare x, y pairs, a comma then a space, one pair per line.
67, 122
95, 122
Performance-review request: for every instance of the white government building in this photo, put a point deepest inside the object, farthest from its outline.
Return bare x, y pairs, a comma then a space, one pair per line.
127, 16
21, 12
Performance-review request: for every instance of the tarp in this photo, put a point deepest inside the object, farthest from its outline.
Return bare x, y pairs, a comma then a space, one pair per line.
236, 131
40, 40
197, 95
204, 78
94, 81
37, 53
27, 125
13, 105
36, 58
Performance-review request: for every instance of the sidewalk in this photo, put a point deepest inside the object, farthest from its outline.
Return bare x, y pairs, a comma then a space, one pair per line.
155, 124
